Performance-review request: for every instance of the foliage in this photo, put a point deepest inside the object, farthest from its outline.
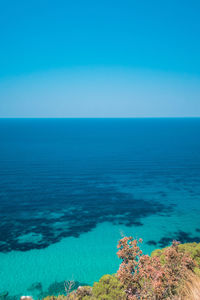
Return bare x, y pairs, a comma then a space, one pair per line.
156, 277
193, 249
83, 292
108, 287
59, 297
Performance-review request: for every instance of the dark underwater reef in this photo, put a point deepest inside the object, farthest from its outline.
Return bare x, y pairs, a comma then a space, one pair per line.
38, 224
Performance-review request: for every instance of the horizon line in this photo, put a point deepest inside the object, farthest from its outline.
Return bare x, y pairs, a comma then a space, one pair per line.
185, 117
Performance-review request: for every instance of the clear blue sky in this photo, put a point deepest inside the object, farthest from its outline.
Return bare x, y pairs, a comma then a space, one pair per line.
99, 58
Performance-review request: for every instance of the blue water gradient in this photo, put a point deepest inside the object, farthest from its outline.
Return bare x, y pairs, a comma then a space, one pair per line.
69, 188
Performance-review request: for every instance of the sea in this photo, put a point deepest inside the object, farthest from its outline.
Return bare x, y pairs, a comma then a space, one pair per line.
71, 188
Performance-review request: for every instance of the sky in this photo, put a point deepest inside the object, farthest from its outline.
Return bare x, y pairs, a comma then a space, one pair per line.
99, 58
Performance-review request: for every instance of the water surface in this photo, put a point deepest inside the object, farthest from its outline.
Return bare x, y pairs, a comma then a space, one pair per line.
69, 188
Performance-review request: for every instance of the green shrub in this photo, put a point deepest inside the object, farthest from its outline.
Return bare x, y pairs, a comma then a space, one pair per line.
59, 297
84, 293
193, 249
108, 287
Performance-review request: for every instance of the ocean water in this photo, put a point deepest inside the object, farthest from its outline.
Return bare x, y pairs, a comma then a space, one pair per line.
70, 188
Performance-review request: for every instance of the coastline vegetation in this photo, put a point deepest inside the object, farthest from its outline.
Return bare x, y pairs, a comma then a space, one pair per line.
172, 273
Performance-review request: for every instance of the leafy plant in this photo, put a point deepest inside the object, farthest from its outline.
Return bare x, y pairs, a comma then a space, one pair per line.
108, 287
156, 277
192, 249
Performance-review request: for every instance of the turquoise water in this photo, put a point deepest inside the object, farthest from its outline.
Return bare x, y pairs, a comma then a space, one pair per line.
70, 188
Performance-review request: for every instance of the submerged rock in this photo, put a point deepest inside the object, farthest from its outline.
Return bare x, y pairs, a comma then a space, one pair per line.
35, 286
3, 295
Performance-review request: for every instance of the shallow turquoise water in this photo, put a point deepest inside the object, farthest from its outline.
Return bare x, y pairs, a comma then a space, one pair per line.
69, 189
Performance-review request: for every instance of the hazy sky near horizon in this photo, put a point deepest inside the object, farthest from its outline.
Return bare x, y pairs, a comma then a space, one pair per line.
99, 58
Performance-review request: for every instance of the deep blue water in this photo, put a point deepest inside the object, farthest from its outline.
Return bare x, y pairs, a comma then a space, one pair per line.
63, 177
51, 166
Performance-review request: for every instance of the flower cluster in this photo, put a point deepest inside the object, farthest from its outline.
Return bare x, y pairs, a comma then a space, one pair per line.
146, 277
